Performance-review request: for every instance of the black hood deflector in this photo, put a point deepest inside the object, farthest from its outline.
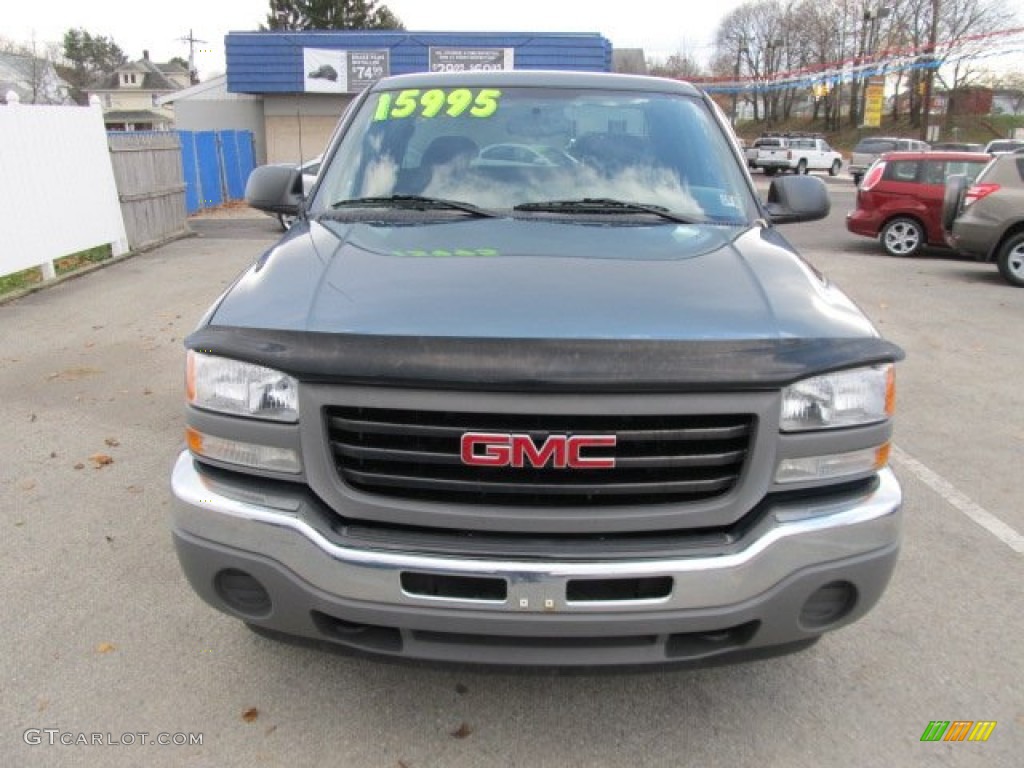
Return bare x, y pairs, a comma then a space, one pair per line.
541, 365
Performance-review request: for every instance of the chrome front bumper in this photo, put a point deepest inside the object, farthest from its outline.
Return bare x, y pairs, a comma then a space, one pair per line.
764, 579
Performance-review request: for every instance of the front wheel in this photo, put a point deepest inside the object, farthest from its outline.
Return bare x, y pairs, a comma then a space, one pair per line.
770, 171
902, 237
801, 168
1011, 260
834, 170
286, 221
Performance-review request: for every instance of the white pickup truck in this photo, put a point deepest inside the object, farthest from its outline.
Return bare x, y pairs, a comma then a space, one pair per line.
798, 154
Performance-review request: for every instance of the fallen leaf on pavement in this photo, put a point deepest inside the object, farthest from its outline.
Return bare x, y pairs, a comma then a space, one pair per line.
462, 731
101, 459
105, 648
250, 714
113, 442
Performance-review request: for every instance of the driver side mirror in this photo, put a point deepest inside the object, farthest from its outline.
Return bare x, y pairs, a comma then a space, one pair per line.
275, 189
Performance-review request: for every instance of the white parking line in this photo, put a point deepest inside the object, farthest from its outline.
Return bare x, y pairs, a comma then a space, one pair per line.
947, 491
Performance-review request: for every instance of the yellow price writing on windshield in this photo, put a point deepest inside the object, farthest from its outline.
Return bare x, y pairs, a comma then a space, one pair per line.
436, 101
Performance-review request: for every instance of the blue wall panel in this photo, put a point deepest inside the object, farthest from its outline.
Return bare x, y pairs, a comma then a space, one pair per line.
209, 169
190, 170
271, 62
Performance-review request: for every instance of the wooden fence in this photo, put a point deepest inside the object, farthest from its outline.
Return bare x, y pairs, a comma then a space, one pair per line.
150, 185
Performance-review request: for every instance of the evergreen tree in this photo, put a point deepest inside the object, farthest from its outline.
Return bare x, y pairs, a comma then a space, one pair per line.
90, 56
330, 14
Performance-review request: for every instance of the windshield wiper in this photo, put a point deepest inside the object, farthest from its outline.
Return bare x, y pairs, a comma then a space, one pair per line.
415, 202
603, 205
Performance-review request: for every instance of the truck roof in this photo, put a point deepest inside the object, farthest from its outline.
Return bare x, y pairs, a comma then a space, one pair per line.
537, 79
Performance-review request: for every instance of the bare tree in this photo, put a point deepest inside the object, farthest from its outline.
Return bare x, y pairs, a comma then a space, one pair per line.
964, 21
680, 64
33, 71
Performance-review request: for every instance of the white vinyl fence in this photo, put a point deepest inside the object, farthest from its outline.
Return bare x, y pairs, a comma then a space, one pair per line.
57, 188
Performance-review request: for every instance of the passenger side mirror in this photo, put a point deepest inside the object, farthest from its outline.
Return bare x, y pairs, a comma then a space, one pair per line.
797, 198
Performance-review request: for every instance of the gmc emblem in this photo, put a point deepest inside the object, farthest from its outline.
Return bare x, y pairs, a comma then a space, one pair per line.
490, 449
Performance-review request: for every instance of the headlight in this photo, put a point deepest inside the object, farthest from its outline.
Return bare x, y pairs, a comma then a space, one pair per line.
841, 399
242, 389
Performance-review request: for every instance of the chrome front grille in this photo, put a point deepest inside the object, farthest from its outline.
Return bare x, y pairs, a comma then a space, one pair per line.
417, 454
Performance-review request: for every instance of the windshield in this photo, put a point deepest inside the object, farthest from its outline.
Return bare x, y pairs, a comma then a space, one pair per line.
502, 148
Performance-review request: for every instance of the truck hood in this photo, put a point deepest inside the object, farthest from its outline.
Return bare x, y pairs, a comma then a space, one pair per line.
538, 279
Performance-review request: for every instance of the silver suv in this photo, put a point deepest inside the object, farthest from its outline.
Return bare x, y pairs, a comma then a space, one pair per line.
986, 219
871, 148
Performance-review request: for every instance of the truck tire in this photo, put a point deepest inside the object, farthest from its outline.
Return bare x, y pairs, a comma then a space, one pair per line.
801, 168
856, 179
902, 236
834, 168
1011, 260
770, 171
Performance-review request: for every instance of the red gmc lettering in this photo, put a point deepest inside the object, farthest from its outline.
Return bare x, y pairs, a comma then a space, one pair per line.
489, 449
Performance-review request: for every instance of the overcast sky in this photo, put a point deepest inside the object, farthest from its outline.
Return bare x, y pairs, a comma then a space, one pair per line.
660, 27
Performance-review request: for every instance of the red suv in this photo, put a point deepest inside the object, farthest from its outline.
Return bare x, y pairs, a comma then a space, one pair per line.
900, 199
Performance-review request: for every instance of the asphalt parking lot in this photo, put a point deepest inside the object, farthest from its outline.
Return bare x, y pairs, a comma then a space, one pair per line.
104, 637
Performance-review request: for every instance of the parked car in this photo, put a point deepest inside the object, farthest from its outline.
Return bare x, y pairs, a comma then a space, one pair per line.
985, 219
309, 169
798, 153
752, 149
900, 199
873, 147
1001, 146
957, 146
599, 413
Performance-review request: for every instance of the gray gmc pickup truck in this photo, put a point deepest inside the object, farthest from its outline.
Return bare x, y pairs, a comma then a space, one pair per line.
535, 379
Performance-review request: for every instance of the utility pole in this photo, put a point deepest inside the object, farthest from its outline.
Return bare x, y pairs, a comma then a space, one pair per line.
741, 48
770, 94
929, 77
869, 44
193, 75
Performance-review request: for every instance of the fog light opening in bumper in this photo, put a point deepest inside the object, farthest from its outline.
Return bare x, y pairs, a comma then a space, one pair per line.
242, 593
828, 605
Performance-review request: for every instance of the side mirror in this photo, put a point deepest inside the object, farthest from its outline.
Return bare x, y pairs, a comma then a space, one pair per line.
275, 189
797, 198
